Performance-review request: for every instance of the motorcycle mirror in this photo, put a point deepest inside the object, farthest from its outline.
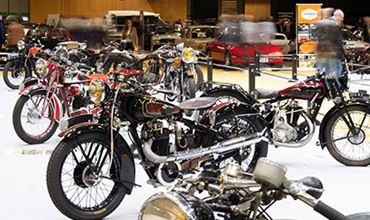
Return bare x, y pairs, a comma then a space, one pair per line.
312, 186
180, 46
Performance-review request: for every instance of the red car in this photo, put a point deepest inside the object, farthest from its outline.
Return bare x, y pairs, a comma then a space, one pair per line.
229, 49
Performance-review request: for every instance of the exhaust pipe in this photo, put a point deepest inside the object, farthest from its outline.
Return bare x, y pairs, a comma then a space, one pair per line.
222, 147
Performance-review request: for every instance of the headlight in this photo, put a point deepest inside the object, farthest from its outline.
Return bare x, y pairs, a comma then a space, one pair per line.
96, 90
188, 56
41, 67
21, 45
174, 206
62, 53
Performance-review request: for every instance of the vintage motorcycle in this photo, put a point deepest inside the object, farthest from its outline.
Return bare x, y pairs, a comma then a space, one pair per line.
182, 76
93, 158
235, 194
21, 65
344, 128
43, 103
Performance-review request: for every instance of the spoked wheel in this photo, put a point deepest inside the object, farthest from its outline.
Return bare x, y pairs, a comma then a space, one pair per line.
33, 118
81, 174
233, 122
14, 75
348, 144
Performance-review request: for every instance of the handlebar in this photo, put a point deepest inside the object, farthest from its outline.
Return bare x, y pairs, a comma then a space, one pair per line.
329, 212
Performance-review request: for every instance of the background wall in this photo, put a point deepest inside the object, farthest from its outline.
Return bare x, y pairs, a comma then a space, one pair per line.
170, 10
259, 8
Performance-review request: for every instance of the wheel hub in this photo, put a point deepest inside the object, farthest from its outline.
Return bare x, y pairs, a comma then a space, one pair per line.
356, 136
33, 117
85, 176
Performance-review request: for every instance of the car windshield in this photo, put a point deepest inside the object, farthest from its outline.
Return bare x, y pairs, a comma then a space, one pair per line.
168, 30
203, 33
231, 38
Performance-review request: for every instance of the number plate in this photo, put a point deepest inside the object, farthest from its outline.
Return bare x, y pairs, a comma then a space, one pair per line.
264, 59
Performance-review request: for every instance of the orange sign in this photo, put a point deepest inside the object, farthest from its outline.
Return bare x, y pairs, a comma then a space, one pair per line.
308, 47
308, 13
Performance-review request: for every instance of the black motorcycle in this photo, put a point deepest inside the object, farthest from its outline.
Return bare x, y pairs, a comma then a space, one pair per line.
92, 168
21, 65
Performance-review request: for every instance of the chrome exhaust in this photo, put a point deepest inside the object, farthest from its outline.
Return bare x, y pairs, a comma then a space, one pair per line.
222, 147
304, 140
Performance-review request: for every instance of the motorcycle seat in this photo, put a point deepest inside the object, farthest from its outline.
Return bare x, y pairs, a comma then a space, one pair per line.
266, 94
198, 103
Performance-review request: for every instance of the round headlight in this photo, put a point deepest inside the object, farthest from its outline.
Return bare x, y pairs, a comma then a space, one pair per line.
41, 67
175, 206
21, 45
96, 90
62, 53
188, 56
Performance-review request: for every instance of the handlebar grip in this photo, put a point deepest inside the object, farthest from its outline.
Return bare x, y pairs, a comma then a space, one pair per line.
329, 212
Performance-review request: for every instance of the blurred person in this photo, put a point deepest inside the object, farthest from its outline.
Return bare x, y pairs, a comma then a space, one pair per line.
15, 32
288, 28
2, 32
329, 50
339, 16
130, 37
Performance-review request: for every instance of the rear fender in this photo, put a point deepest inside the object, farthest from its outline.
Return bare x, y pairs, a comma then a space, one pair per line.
219, 91
127, 174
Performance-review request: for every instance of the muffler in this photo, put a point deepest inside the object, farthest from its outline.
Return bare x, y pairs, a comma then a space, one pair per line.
219, 148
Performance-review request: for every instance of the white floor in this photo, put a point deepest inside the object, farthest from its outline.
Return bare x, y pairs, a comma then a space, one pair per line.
23, 193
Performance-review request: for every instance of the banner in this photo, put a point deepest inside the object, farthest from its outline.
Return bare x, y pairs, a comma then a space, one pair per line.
307, 15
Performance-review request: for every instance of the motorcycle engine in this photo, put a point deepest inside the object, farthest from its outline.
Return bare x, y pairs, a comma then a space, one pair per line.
283, 131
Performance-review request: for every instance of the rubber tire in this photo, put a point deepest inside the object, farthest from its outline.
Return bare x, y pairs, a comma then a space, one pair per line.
261, 149
6, 78
330, 146
228, 57
191, 89
200, 78
56, 193
17, 111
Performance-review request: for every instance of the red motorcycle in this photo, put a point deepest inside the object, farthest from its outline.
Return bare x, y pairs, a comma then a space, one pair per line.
289, 116
43, 103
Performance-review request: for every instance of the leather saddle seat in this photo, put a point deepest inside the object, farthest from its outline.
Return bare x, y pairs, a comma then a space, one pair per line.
198, 103
266, 93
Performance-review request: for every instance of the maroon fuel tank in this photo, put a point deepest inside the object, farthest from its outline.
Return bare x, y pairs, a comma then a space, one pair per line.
307, 91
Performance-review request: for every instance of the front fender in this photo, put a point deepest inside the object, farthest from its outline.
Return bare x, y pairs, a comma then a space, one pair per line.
55, 101
127, 174
330, 113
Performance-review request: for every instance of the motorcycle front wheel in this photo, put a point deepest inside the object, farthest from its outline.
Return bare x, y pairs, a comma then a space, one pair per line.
80, 177
14, 75
30, 125
349, 145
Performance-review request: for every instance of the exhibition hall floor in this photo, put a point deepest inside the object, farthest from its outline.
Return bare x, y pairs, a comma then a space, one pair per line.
23, 192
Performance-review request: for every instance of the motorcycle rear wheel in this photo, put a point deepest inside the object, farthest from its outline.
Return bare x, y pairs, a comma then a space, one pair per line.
70, 155
353, 142
244, 125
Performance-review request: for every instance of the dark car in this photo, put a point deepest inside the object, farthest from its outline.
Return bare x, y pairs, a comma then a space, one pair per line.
230, 49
